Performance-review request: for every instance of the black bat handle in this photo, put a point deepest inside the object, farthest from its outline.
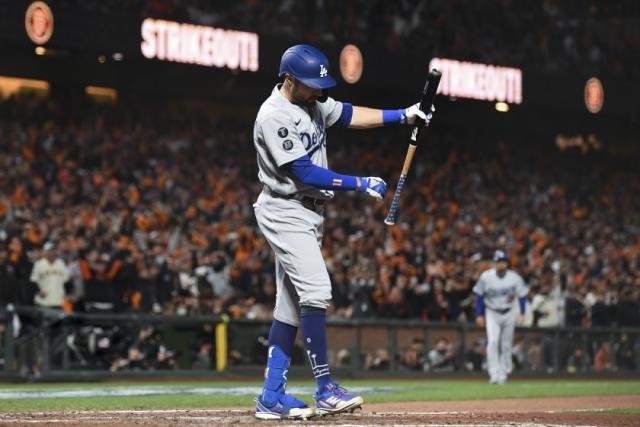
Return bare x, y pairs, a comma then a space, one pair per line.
428, 94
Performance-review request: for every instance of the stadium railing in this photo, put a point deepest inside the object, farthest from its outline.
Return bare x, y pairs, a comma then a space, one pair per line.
50, 344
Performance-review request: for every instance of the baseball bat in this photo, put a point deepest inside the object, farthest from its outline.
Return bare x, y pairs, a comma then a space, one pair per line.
428, 94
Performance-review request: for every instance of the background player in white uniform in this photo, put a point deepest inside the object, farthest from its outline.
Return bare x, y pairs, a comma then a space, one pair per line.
496, 292
290, 140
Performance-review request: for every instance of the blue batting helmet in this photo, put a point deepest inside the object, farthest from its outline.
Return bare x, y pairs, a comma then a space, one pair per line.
308, 65
500, 256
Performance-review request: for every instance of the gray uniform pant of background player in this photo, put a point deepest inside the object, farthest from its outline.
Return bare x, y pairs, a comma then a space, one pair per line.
294, 232
500, 328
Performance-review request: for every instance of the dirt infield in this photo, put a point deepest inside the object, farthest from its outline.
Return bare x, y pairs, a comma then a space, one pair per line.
581, 411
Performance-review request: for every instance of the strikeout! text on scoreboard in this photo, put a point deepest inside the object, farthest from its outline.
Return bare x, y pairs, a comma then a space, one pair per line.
198, 44
478, 81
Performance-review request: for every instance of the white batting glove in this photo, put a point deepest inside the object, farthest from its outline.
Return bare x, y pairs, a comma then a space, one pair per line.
373, 186
411, 113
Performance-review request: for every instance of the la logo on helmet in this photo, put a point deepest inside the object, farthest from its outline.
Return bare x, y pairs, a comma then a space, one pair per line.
323, 71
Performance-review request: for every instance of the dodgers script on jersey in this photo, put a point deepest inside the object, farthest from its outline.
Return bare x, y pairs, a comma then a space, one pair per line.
284, 132
500, 293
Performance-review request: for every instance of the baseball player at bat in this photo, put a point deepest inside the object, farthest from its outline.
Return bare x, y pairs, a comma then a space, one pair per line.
290, 140
496, 292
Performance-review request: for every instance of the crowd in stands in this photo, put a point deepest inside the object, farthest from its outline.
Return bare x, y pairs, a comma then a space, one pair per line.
539, 355
147, 207
150, 209
578, 36
585, 37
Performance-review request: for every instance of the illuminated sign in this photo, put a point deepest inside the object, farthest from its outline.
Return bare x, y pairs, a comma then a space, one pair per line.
102, 94
12, 85
197, 44
351, 64
593, 95
590, 143
479, 81
38, 22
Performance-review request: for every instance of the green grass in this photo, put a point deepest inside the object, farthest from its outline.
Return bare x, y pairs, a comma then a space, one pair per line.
402, 390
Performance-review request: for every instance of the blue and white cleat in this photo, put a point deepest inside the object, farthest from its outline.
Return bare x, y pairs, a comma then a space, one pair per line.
335, 400
287, 408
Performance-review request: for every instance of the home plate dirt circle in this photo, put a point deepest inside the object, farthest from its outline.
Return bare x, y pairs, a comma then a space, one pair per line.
566, 411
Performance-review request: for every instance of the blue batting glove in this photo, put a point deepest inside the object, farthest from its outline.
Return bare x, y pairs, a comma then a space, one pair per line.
373, 186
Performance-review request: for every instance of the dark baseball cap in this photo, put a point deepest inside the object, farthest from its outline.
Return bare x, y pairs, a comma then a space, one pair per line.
500, 255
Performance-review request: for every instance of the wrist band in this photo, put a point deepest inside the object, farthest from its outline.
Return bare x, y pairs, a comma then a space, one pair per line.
392, 117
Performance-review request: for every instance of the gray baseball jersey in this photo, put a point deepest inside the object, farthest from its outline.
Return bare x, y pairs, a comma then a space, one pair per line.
284, 132
500, 292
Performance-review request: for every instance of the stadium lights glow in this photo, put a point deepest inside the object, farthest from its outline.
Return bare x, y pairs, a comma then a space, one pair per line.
38, 22
479, 81
351, 63
102, 59
503, 107
594, 95
11, 85
100, 92
40, 50
117, 56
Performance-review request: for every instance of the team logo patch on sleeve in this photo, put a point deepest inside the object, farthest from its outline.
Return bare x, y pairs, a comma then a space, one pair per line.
283, 132
287, 144
337, 182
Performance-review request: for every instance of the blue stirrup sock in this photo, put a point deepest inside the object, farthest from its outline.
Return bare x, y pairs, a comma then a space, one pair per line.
281, 339
314, 333
282, 335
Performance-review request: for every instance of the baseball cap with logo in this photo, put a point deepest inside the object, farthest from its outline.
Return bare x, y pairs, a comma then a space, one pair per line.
500, 255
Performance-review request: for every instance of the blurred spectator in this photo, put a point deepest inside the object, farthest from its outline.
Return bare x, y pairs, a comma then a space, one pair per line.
519, 353
216, 274
50, 273
146, 351
601, 312
8, 285
545, 306
475, 359
578, 362
413, 357
627, 311
575, 311
442, 357
603, 360
535, 355
165, 359
203, 358
394, 304
625, 354
378, 361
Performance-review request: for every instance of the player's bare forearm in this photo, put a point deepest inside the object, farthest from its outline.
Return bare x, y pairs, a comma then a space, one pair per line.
366, 118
